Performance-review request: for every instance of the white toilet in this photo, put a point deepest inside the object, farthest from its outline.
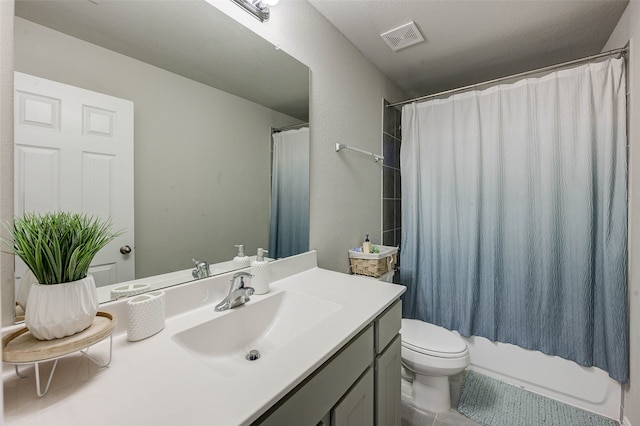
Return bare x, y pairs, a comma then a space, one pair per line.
430, 354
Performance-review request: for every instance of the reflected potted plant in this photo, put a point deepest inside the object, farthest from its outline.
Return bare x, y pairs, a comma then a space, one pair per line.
58, 249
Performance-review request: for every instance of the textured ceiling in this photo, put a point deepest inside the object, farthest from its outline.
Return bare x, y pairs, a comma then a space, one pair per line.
472, 41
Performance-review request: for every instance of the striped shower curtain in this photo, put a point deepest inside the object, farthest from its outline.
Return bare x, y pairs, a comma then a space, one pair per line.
514, 214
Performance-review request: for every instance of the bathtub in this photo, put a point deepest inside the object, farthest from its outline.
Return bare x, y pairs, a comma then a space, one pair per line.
588, 388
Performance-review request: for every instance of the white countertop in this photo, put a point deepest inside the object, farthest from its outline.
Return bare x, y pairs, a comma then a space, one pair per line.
155, 381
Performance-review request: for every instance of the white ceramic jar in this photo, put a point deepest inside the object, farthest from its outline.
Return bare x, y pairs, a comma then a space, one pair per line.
59, 310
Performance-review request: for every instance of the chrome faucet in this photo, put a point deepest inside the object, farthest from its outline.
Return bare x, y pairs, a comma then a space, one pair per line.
202, 269
238, 293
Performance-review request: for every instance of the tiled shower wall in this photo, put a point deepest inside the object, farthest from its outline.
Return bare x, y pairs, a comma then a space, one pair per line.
391, 213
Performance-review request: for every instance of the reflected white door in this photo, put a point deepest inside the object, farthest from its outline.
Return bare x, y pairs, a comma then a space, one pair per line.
74, 152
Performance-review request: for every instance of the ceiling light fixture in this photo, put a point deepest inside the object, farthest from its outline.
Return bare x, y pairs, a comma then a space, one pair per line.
259, 9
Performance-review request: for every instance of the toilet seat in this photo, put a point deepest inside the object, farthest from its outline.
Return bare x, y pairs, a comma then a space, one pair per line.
432, 340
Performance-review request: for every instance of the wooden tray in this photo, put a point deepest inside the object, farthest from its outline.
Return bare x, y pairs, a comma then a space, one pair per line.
21, 347
19, 313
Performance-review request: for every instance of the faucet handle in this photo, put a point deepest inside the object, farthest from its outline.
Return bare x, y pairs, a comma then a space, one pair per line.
202, 269
241, 274
235, 277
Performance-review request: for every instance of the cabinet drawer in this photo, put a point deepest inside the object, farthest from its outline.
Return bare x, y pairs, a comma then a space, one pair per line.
387, 326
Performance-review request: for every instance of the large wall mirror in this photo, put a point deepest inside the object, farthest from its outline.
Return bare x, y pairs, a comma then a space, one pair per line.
207, 94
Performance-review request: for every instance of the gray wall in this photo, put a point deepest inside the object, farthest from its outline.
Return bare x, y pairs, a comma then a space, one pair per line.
6, 155
346, 99
201, 155
628, 29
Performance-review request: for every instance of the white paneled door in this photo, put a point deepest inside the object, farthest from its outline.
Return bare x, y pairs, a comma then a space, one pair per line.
74, 152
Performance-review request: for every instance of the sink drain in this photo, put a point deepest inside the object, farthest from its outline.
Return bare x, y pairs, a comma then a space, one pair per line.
253, 355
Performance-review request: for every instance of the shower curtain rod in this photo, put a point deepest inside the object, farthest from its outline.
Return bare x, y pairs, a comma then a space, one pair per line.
291, 127
619, 51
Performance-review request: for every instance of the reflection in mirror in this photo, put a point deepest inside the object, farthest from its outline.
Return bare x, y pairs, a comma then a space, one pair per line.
289, 218
206, 92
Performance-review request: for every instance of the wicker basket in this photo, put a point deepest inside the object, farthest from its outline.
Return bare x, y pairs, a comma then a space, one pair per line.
374, 264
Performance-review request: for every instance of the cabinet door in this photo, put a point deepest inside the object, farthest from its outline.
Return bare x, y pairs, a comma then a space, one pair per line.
387, 387
356, 407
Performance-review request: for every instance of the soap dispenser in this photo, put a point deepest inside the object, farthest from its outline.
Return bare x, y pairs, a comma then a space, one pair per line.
241, 260
261, 272
366, 246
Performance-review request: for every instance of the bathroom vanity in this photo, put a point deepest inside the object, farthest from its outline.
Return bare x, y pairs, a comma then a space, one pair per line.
329, 346
357, 385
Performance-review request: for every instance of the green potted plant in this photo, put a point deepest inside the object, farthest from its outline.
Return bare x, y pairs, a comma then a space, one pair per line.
58, 249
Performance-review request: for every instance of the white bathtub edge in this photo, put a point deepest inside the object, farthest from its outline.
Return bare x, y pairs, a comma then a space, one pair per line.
546, 375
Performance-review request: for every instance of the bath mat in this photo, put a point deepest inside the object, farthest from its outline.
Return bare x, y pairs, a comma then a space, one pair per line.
494, 403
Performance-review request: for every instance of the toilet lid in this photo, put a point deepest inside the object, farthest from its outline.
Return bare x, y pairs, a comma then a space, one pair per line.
431, 340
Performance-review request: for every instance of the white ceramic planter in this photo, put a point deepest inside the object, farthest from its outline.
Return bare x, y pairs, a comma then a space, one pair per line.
25, 287
60, 310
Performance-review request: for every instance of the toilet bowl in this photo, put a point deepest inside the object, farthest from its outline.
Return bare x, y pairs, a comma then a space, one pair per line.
430, 354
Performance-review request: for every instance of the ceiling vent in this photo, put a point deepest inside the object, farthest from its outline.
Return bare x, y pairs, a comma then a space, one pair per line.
404, 36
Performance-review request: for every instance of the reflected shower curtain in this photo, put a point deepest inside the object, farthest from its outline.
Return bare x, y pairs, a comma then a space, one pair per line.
289, 228
514, 214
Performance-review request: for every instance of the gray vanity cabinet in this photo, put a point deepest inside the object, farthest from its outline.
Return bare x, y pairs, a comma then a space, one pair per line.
356, 406
387, 366
383, 394
387, 385
359, 385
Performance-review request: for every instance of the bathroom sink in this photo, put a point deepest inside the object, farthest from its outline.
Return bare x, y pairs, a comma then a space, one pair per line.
264, 325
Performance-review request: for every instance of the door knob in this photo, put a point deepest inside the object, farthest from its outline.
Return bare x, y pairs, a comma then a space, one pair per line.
125, 249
